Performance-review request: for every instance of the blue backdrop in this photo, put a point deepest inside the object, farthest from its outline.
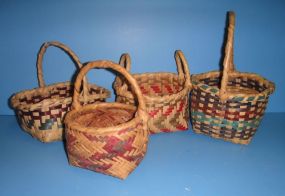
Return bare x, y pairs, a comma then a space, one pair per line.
149, 30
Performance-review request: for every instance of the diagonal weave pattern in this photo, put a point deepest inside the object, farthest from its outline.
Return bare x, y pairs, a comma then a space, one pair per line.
166, 95
110, 138
165, 115
116, 153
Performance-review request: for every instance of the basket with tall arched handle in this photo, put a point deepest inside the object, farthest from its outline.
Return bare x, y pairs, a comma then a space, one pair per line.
110, 138
41, 110
166, 95
229, 104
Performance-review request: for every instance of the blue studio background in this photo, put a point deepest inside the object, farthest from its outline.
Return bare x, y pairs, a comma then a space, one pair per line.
183, 163
150, 31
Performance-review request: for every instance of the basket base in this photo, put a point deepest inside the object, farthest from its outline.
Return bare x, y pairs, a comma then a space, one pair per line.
178, 129
216, 136
120, 173
46, 136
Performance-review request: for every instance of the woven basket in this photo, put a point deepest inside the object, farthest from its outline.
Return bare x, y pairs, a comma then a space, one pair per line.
110, 138
166, 95
229, 104
41, 110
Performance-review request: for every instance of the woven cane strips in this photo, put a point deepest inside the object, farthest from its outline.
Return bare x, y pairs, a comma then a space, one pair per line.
41, 110
229, 104
166, 95
110, 138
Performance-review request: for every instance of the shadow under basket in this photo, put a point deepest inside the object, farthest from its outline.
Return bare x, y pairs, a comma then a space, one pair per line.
237, 118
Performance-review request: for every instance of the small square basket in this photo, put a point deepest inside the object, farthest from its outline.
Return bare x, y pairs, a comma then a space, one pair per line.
109, 138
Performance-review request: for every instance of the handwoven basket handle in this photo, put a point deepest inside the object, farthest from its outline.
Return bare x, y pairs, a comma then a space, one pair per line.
231, 16
125, 61
182, 67
228, 65
107, 65
68, 51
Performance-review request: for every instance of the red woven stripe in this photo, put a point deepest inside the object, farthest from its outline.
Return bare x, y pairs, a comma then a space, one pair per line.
181, 106
169, 110
181, 127
230, 110
115, 145
156, 89
169, 89
143, 90
153, 113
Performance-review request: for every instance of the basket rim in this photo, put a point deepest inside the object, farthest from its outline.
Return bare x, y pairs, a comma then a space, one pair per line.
196, 81
68, 121
152, 98
52, 101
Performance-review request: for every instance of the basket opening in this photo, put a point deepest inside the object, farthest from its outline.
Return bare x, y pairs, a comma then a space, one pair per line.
104, 117
237, 85
159, 84
56, 92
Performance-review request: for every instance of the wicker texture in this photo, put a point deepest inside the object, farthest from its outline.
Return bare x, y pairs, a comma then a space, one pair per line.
41, 110
110, 138
166, 95
229, 104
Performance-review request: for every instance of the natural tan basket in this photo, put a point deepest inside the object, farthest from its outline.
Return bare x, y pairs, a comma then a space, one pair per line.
233, 111
166, 95
41, 110
110, 138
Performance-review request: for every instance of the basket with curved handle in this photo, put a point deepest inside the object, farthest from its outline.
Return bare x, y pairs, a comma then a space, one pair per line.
182, 67
68, 51
41, 110
166, 95
228, 60
107, 65
232, 110
114, 146
181, 63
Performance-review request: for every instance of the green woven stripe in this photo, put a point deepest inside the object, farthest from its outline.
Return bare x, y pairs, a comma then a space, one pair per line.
238, 98
261, 98
215, 90
201, 117
30, 123
44, 126
48, 124
250, 98
205, 87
